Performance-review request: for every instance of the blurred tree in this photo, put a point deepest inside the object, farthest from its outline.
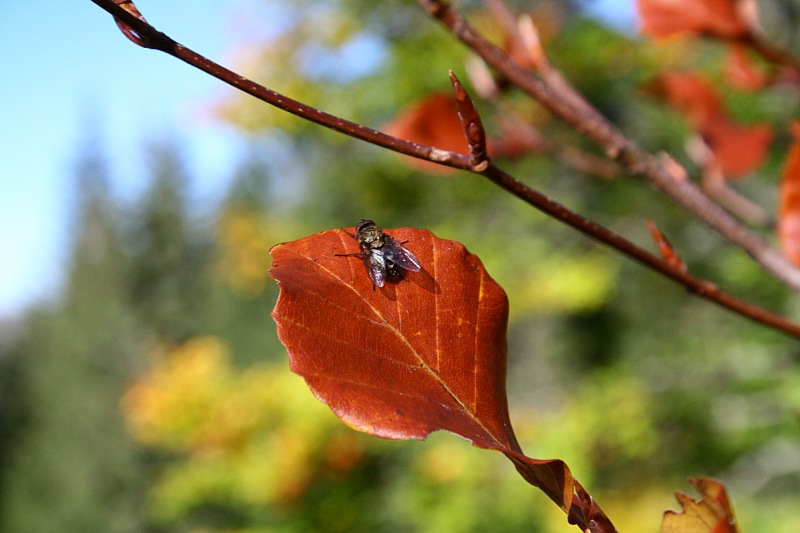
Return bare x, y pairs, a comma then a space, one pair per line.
13, 397
169, 254
247, 222
74, 467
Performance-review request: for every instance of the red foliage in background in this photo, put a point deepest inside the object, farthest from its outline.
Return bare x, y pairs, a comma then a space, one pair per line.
742, 71
665, 18
737, 149
432, 121
789, 212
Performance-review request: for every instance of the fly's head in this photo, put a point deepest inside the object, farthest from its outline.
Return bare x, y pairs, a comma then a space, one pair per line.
369, 236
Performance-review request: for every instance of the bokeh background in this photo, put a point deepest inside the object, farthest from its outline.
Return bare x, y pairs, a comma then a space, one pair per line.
141, 384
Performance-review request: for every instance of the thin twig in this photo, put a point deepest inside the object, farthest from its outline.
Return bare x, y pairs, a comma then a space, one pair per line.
771, 53
700, 287
704, 289
592, 124
159, 41
471, 124
520, 136
669, 267
718, 187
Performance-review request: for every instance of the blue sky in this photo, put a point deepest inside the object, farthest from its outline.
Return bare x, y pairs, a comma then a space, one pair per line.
66, 68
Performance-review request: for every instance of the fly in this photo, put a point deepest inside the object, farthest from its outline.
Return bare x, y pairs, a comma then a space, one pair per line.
384, 257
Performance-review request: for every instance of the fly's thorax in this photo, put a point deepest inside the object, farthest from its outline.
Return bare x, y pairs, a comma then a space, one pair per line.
369, 236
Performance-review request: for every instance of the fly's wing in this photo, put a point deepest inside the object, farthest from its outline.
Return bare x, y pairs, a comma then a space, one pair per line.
376, 267
400, 255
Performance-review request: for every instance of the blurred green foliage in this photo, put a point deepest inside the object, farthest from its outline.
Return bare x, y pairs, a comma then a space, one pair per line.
154, 396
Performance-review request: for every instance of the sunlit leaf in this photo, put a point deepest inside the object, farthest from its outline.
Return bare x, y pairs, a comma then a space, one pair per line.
423, 354
711, 514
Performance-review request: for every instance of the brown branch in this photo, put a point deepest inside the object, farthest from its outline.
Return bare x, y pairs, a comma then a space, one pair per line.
588, 121
159, 41
771, 53
718, 187
520, 133
704, 289
700, 287
675, 270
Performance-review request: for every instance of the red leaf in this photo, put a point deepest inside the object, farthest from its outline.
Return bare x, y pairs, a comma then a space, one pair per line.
712, 514
742, 71
737, 149
664, 18
432, 121
423, 354
789, 212
692, 95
